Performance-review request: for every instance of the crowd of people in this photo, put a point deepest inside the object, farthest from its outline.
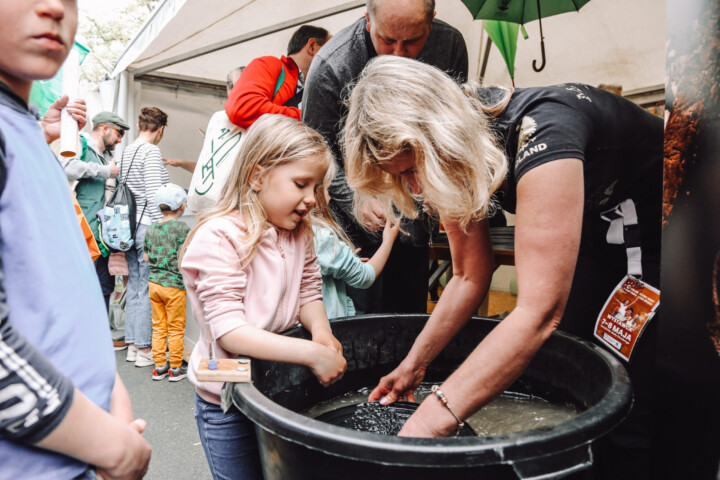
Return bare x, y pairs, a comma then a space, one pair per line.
350, 143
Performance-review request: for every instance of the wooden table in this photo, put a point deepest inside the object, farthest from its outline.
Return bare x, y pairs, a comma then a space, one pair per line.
503, 242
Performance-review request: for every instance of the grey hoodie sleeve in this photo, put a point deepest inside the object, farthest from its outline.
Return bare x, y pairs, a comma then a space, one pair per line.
76, 168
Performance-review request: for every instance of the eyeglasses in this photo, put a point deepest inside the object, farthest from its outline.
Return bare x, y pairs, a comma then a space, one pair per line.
119, 131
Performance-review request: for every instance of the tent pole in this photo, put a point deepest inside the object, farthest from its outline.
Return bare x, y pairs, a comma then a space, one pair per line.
488, 44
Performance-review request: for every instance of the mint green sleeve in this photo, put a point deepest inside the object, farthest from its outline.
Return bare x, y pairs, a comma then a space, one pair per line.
336, 259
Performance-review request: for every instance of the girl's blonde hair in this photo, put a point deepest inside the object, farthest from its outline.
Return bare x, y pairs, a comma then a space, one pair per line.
402, 105
272, 141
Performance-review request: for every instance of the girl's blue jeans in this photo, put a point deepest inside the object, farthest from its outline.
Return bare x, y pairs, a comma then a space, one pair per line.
229, 441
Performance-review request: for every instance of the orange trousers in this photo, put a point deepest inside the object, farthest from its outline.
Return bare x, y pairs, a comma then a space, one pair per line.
168, 324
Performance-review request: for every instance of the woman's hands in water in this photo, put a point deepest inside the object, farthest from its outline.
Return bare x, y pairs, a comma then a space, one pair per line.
398, 384
421, 426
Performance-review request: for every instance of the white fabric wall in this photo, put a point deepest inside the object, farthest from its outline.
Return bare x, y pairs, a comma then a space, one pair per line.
187, 112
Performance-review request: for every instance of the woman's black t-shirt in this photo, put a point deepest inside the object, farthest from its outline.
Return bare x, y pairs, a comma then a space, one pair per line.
620, 144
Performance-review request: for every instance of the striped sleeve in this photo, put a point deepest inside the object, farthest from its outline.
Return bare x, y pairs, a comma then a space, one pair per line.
144, 172
155, 175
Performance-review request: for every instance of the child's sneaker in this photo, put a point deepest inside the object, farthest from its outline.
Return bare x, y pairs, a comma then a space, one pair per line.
161, 372
177, 374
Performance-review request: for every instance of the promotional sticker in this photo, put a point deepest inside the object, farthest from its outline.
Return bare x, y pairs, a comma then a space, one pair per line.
625, 315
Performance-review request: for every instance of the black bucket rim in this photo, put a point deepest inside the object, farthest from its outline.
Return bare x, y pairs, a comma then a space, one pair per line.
425, 452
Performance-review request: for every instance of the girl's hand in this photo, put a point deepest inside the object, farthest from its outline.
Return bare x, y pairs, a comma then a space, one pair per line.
357, 252
327, 339
390, 232
327, 365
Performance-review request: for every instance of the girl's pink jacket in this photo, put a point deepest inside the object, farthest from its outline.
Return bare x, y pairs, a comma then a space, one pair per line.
268, 293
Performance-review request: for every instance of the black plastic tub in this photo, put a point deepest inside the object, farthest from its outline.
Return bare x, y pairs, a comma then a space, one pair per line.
295, 447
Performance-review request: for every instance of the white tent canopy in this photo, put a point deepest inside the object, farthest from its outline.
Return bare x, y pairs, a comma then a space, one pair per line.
181, 56
607, 41
179, 60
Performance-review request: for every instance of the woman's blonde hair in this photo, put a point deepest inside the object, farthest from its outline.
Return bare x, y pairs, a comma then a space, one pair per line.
272, 141
401, 105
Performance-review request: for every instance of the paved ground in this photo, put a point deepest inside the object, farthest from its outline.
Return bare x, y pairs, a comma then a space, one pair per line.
168, 409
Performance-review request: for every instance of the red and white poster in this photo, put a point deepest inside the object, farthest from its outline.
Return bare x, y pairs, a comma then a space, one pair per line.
625, 315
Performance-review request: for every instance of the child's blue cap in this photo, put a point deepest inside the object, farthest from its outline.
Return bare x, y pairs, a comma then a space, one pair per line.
171, 195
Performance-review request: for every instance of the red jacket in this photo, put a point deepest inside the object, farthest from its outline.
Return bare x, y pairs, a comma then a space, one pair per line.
251, 96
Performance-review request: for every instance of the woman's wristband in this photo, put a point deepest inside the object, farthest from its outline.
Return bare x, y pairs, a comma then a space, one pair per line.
439, 394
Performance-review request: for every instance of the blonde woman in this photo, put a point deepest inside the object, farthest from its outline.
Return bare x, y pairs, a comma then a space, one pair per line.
558, 157
250, 272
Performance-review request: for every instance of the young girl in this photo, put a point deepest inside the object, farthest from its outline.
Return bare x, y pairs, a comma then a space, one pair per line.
250, 271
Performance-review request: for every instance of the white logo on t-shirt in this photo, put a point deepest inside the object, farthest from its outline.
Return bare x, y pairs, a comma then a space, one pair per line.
527, 128
578, 92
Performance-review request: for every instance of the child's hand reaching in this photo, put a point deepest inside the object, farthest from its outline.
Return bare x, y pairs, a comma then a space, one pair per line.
357, 252
327, 365
390, 232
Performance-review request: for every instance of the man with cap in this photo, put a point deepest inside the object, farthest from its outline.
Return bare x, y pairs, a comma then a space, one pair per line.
91, 168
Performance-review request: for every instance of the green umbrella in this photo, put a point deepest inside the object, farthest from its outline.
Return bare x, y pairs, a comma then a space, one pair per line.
504, 36
522, 11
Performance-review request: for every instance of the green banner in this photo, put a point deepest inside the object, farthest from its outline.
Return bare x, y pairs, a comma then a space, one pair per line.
45, 92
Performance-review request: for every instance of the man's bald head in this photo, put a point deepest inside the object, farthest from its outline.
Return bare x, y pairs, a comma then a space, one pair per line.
399, 27
428, 5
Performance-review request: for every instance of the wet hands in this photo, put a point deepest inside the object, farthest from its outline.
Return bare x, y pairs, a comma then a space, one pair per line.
50, 123
328, 365
417, 426
400, 384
